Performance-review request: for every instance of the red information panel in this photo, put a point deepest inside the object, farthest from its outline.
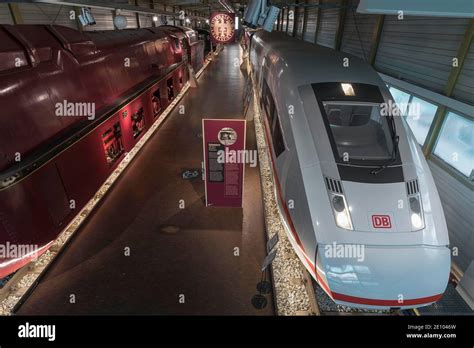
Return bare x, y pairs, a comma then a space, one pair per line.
223, 146
222, 27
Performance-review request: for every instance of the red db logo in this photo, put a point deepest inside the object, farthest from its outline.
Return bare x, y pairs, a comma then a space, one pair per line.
381, 221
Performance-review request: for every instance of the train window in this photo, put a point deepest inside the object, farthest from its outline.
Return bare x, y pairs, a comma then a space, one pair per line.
401, 99
267, 102
455, 143
156, 102
420, 115
138, 123
277, 138
176, 43
112, 142
359, 131
169, 87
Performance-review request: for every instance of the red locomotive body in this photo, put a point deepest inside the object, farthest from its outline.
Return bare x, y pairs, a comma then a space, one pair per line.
73, 104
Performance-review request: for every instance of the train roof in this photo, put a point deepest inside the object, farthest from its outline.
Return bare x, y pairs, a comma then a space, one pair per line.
309, 63
186, 31
33, 44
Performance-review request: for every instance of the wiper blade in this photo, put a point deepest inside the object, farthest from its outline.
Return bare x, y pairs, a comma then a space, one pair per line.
382, 167
377, 170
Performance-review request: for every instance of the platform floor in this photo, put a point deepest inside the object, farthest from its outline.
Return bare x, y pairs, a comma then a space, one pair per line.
173, 251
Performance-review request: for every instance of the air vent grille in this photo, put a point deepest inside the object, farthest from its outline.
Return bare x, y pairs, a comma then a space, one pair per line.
333, 185
412, 187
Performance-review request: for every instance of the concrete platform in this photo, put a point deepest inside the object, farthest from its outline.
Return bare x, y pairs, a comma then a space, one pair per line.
173, 251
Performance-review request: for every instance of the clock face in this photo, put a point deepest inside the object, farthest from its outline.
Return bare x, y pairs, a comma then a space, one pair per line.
222, 27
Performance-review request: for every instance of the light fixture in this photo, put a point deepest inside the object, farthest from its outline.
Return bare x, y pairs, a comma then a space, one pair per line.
120, 22
236, 23
341, 211
348, 90
207, 21
417, 221
155, 18
188, 20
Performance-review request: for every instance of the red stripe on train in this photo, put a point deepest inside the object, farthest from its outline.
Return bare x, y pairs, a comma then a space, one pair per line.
391, 303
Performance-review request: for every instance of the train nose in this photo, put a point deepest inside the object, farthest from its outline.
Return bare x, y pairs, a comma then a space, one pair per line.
384, 277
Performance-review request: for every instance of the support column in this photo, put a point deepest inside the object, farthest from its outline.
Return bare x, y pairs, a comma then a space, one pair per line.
318, 19
376, 39
137, 15
15, 13
296, 19
305, 20
340, 26
152, 6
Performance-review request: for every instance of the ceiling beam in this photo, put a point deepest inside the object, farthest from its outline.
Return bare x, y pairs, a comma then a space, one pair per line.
107, 5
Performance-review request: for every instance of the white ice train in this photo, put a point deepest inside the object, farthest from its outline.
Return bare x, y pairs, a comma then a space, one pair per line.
354, 190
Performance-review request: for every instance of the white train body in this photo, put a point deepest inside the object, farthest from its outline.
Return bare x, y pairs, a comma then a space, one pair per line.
371, 236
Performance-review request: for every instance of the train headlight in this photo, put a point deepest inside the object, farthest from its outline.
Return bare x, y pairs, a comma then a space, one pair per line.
341, 211
338, 203
416, 221
416, 213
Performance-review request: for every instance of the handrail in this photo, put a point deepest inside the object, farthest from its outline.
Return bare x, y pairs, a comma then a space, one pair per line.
436, 98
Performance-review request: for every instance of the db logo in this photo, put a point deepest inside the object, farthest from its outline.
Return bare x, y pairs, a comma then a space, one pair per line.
381, 221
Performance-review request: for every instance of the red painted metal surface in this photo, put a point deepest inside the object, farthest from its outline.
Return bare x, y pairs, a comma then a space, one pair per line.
40, 66
223, 139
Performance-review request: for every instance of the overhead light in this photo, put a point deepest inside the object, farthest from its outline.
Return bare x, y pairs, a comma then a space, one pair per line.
188, 20
236, 23
155, 19
207, 21
120, 22
348, 90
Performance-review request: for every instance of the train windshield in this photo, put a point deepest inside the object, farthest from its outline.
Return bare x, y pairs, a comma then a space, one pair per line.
359, 131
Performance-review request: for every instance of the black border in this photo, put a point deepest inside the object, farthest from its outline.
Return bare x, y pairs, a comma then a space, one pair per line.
314, 330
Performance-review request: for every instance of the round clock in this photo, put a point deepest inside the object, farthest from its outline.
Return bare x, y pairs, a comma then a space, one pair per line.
222, 27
